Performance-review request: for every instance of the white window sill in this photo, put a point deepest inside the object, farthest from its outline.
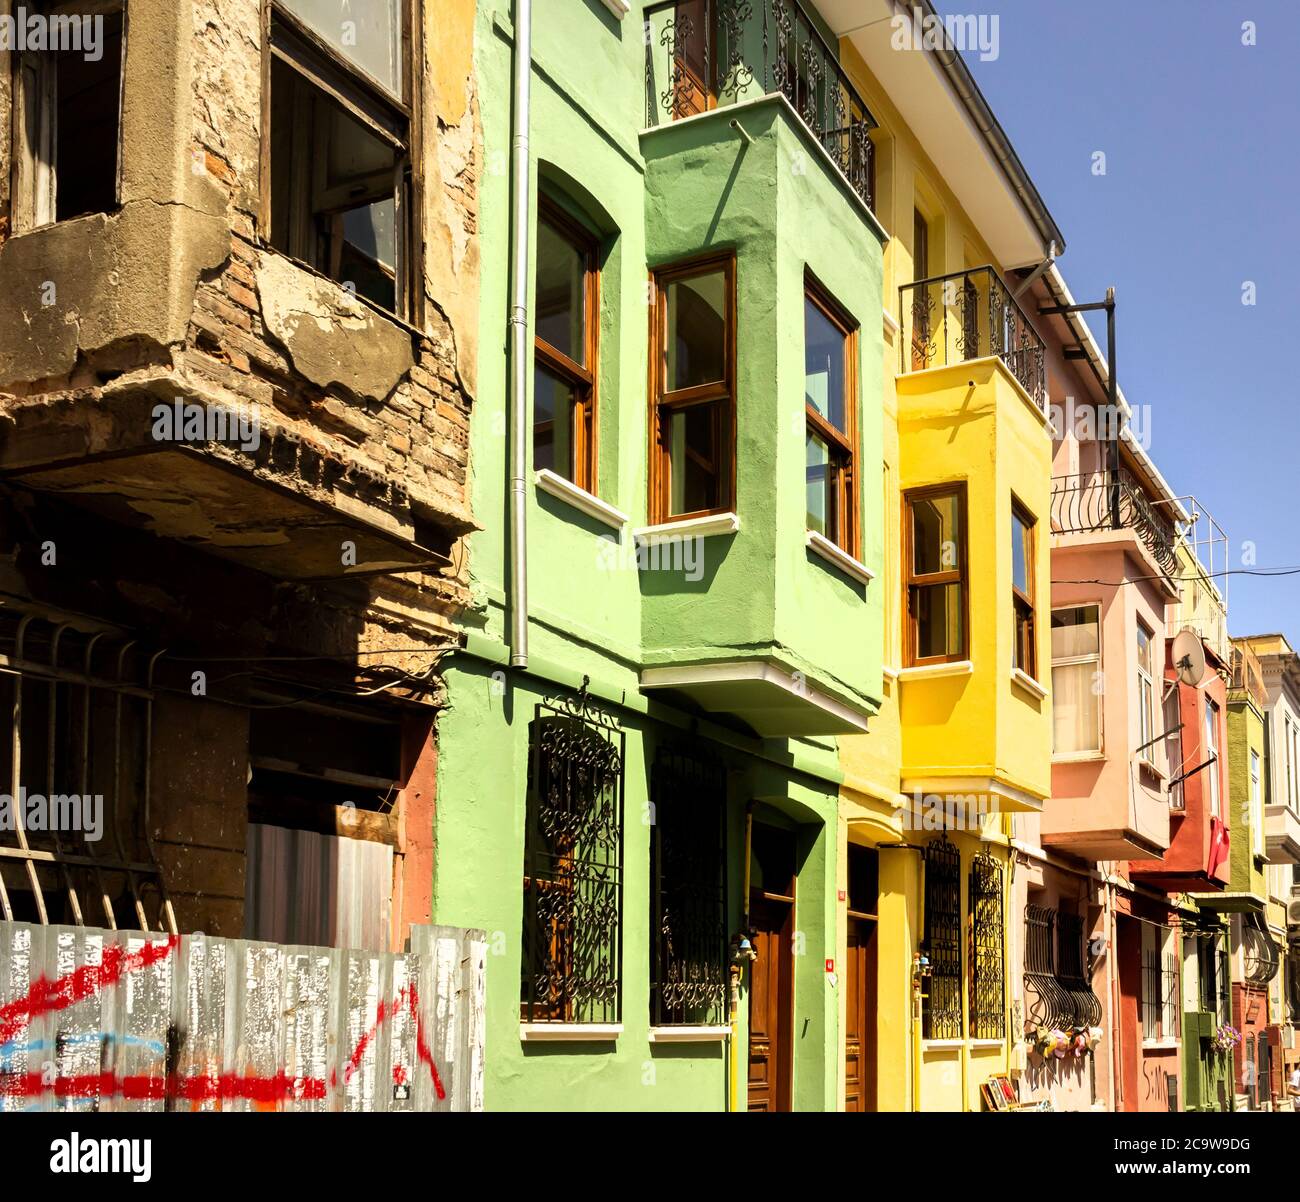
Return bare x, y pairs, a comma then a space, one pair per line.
890, 674
618, 7
891, 323
988, 1043
1160, 1045
1147, 766
962, 667
942, 1045
1080, 757
570, 1032
688, 1034
839, 558
667, 532
1028, 683
548, 481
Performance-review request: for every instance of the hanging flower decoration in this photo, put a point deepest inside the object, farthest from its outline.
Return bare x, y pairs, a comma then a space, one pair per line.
1226, 1038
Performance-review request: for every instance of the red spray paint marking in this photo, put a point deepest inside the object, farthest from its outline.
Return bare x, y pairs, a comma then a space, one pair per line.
45, 997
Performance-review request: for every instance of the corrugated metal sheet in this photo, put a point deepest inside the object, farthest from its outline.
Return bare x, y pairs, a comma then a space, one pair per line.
305, 887
118, 1020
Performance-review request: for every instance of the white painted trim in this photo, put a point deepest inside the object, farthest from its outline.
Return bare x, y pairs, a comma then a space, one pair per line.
618, 7
730, 671
840, 558
1160, 1045
666, 532
889, 673
579, 498
1028, 683
970, 784
688, 1034
1081, 757
988, 1043
962, 667
942, 1045
570, 1032
891, 323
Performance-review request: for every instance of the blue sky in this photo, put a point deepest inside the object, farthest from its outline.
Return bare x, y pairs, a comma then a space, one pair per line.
1202, 142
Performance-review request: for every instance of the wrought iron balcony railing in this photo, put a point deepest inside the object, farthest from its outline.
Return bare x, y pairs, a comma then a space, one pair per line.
967, 315
705, 54
1114, 501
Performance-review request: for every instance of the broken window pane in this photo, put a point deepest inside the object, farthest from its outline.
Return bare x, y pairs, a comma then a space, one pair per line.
333, 188
87, 132
367, 32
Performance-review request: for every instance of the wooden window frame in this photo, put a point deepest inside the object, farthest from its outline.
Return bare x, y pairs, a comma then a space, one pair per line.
1024, 647
33, 190
844, 522
583, 380
957, 575
664, 403
394, 120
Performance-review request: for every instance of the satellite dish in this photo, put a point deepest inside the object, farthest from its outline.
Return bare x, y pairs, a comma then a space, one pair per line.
1189, 659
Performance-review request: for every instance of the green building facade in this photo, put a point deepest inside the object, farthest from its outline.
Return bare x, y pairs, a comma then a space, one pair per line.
693, 651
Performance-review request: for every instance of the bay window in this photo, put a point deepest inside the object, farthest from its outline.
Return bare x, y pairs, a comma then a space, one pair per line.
1022, 590
337, 180
1076, 673
693, 465
934, 566
830, 399
1146, 689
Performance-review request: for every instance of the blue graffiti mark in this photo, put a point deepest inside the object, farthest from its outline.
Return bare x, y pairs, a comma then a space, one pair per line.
14, 1048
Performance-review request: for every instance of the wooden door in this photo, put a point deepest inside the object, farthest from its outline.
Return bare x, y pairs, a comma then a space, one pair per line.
771, 998
860, 1023
692, 76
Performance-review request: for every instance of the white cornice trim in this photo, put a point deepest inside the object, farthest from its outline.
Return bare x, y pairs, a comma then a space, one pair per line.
840, 558
703, 527
619, 8
550, 482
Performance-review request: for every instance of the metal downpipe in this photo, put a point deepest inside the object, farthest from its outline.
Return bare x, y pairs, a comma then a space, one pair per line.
518, 322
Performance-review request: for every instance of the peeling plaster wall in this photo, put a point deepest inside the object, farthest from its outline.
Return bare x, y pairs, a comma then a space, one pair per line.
175, 296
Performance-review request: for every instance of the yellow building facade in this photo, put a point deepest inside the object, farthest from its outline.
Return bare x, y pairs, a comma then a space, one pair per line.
963, 739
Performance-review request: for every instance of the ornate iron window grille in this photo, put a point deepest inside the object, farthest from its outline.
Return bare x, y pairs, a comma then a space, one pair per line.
1091, 502
573, 865
688, 956
968, 315
941, 1005
987, 986
738, 46
1152, 992
1058, 995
